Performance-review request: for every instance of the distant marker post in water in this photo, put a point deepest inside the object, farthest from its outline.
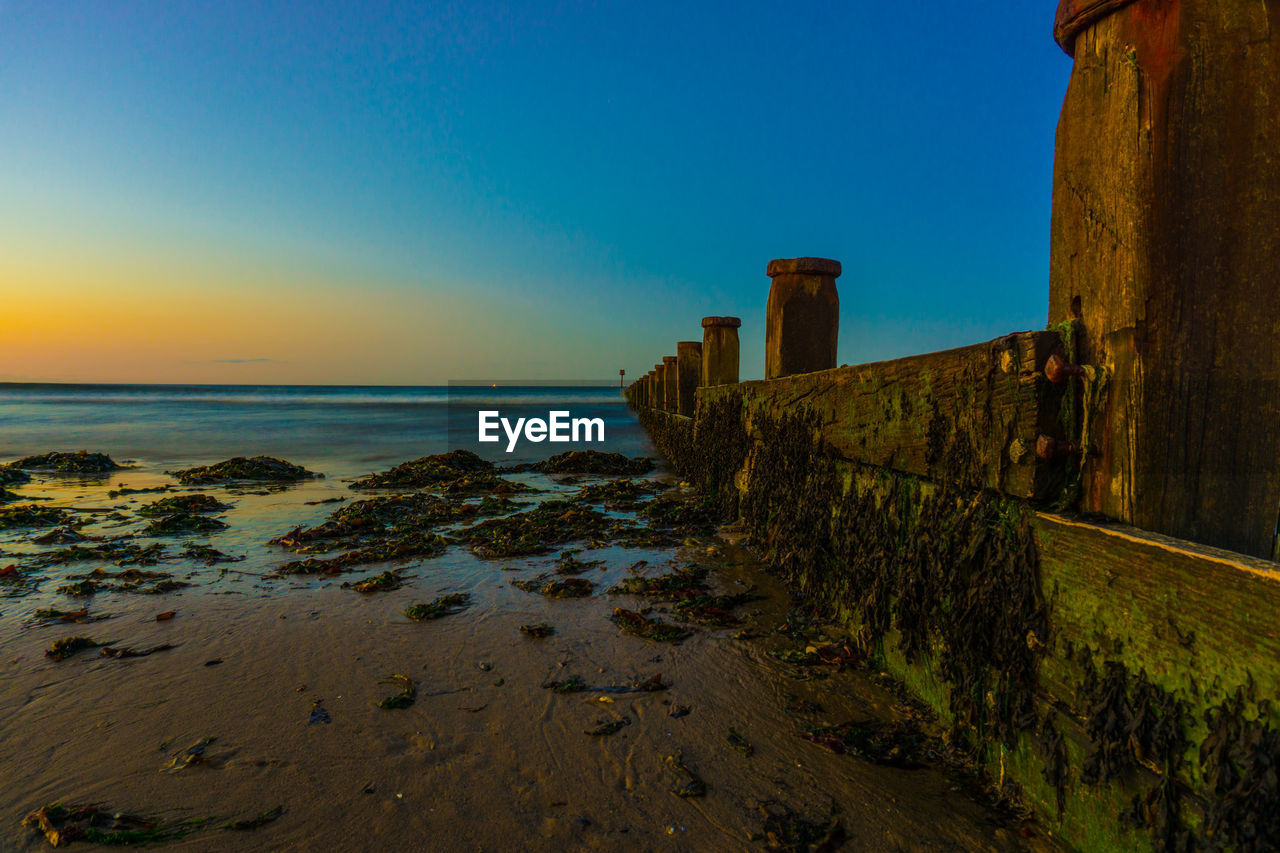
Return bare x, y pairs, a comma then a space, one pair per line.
802, 320
719, 351
688, 375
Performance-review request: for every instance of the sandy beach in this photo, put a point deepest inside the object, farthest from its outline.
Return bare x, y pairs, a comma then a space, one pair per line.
276, 681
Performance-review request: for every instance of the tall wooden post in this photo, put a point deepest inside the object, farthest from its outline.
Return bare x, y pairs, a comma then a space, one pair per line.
720, 350
689, 374
802, 321
1166, 250
670, 384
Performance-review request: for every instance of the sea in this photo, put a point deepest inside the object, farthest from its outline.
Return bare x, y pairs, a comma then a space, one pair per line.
340, 430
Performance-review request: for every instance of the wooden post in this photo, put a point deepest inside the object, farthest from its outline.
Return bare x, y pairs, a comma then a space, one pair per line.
802, 320
1166, 251
719, 351
689, 374
670, 384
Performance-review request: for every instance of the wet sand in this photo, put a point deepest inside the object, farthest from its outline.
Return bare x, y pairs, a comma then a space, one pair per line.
486, 758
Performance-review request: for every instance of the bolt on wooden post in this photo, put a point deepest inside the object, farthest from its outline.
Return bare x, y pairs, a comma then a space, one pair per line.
670, 384
1164, 250
719, 351
802, 320
689, 374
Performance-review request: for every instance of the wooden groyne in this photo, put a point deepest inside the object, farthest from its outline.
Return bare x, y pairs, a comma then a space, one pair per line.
1030, 532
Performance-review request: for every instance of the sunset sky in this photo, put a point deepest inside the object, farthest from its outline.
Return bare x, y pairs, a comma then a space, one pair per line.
303, 192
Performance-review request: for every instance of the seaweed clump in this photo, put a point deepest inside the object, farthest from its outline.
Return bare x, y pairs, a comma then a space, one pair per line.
891, 744
57, 462
638, 625
183, 524
184, 504
617, 494
97, 824
445, 605
256, 469
557, 587
535, 531
588, 462
69, 646
439, 469
383, 516
404, 546
33, 515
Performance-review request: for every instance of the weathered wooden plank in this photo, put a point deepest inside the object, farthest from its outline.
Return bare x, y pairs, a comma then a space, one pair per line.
969, 416
1200, 621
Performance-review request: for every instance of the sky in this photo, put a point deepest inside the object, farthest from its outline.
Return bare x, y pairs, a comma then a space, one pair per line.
378, 193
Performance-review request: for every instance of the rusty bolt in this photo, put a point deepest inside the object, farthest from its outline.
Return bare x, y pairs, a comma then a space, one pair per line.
1048, 447
1057, 370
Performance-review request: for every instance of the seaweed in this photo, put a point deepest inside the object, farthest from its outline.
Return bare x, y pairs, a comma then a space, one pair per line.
383, 516
687, 515
57, 462
183, 524
690, 784
7, 496
401, 546
890, 743
683, 583
32, 515
569, 564
557, 587
445, 605
539, 631
95, 823
535, 531
713, 609
405, 698
789, 831
1239, 761
587, 462
436, 470
617, 494
385, 582
650, 629
572, 684
124, 490
257, 469
183, 504
68, 646
50, 614
11, 476
610, 727
207, 555
62, 536
120, 553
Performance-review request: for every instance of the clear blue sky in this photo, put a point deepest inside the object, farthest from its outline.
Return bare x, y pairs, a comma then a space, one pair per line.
532, 190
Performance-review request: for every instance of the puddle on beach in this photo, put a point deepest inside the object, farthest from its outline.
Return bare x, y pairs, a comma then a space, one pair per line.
270, 696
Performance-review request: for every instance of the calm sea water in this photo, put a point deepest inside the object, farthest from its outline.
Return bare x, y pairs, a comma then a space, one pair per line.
341, 430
